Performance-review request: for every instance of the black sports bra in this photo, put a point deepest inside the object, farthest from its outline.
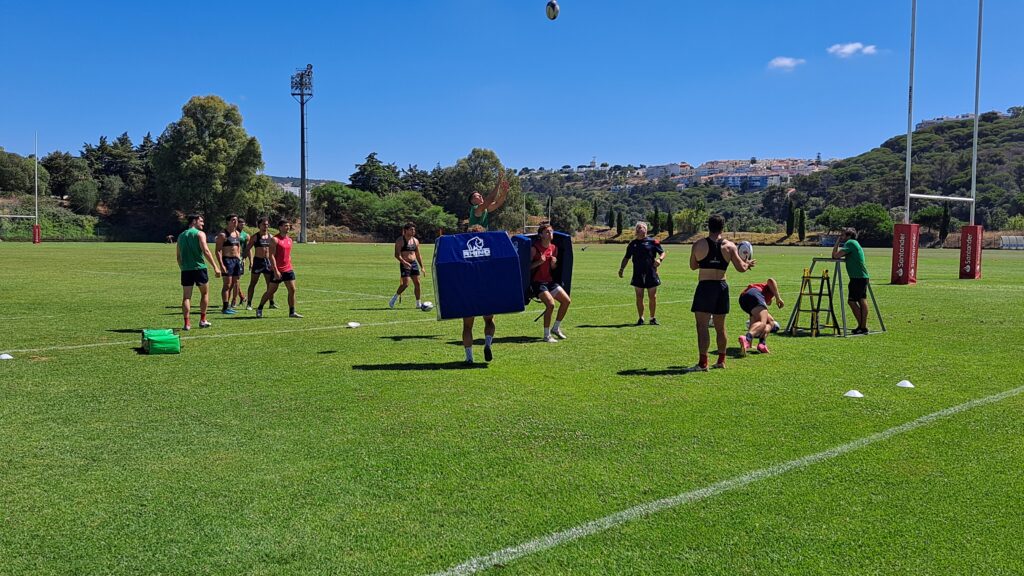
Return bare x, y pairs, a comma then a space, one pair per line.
714, 259
409, 247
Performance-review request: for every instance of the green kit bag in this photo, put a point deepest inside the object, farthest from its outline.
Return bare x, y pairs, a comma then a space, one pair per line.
160, 342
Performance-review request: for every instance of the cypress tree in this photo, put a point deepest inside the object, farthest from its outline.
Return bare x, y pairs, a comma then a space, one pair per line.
670, 224
802, 224
656, 222
618, 224
790, 217
944, 223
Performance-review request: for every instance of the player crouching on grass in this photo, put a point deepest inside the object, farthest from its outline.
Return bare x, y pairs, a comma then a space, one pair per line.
543, 258
755, 301
410, 263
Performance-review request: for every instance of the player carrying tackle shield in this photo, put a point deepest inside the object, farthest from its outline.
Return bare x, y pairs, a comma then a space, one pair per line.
479, 221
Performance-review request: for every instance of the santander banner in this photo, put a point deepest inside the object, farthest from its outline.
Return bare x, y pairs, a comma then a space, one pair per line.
970, 252
904, 253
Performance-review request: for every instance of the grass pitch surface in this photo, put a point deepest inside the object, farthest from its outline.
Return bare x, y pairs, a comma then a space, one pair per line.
287, 446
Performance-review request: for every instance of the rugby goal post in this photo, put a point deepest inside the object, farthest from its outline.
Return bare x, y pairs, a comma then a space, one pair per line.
905, 237
37, 236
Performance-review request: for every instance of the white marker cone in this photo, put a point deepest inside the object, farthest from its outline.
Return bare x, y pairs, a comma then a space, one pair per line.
6, 357
353, 324
853, 394
905, 384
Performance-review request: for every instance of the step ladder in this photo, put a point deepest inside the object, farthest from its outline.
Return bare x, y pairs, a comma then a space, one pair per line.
818, 306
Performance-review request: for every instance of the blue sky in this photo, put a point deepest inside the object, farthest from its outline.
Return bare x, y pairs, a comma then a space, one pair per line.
424, 81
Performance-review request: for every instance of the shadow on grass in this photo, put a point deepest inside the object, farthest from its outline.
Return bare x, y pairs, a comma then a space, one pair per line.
372, 309
503, 340
400, 338
404, 366
670, 371
627, 325
327, 352
126, 330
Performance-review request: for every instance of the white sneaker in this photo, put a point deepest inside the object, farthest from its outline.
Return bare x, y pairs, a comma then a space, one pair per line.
559, 333
391, 303
551, 340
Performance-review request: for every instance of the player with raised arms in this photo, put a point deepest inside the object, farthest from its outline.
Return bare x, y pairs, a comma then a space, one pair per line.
482, 208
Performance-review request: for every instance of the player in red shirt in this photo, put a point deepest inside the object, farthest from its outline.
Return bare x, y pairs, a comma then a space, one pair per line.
281, 261
544, 257
755, 300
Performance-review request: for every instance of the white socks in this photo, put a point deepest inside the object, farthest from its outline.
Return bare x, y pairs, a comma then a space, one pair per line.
556, 325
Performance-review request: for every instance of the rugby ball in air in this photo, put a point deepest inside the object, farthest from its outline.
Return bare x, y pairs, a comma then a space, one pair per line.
552, 9
746, 250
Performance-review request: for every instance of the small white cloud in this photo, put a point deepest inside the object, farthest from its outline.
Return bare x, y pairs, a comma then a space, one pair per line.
852, 49
785, 63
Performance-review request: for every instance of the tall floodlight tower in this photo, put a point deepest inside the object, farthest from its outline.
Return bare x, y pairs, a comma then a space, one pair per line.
302, 91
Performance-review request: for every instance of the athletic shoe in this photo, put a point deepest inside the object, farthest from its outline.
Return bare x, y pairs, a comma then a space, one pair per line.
272, 305
654, 322
187, 327
860, 331
487, 354
295, 315
695, 368
551, 340
558, 332
744, 345
762, 348
640, 322
259, 313
229, 311
248, 307
204, 324
718, 366
391, 303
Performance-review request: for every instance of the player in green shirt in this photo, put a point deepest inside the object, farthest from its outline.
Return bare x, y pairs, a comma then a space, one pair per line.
244, 237
849, 249
480, 213
191, 251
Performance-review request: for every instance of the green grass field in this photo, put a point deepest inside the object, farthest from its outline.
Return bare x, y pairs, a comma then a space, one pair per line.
286, 446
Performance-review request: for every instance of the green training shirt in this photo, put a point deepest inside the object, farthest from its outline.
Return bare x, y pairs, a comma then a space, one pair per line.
855, 267
191, 251
482, 220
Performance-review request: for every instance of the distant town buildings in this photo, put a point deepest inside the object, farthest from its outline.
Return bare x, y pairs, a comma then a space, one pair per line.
941, 119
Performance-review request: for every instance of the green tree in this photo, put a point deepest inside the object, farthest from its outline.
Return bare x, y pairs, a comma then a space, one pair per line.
801, 224
996, 219
655, 222
670, 224
82, 196
930, 217
790, 218
944, 223
64, 170
205, 161
17, 174
609, 218
375, 176
562, 216
618, 224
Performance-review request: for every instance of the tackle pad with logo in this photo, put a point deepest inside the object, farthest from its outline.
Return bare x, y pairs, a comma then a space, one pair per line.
476, 274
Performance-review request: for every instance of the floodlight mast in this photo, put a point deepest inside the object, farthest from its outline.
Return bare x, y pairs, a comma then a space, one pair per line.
302, 91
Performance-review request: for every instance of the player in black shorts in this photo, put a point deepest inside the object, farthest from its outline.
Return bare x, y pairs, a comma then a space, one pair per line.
410, 263
712, 256
647, 255
259, 247
229, 253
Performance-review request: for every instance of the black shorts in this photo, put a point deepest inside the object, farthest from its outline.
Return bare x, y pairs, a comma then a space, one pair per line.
408, 272
711, 297
858, 288
538, 287
645, 278
262, 266
232, 266
285, 277
751, 299
194, 277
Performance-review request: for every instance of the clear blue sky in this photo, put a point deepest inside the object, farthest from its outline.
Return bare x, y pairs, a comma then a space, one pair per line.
425, 81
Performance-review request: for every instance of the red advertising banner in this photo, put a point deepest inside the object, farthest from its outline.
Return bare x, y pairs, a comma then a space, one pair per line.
904, 253
37, 234
970, 252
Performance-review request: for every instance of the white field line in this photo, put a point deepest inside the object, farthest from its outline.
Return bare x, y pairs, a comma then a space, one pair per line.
284, 331
24, 318
344, 292
506, 555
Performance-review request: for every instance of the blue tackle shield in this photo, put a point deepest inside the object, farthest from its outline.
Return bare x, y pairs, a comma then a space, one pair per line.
477, 274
